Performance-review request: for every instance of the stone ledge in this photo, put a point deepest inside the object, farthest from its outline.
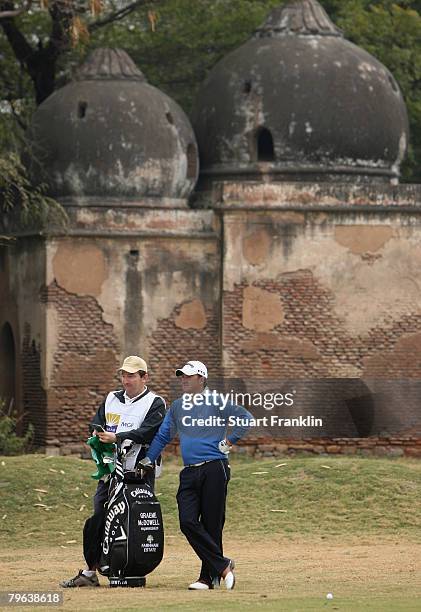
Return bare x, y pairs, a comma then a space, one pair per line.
285, 195
258, 448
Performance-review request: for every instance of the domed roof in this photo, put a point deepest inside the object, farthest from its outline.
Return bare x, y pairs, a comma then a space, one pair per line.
110, 133
299, 102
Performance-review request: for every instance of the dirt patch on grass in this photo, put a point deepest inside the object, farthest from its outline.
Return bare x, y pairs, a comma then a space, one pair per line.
269, 572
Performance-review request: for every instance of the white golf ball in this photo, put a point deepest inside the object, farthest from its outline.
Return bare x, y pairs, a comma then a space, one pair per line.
329, 596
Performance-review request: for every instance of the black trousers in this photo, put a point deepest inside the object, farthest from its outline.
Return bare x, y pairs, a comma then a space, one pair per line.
94, 527
201, 501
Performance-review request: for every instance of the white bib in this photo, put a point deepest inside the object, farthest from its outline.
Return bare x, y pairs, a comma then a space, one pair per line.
121, 417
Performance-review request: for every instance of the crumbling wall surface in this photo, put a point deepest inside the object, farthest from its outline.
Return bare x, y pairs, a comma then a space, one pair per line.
281, 283
181, 307
84, 364
331, 290
316, 293
107, 297
83, 351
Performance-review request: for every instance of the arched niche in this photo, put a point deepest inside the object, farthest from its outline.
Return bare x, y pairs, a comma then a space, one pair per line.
7, 366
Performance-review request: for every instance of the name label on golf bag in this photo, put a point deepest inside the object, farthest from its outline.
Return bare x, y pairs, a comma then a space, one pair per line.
133, 543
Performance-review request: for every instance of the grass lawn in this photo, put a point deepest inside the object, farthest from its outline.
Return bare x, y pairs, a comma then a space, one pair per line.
298, 528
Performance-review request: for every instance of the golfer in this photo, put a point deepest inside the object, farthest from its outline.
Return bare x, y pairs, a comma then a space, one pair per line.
200, 417
132, 413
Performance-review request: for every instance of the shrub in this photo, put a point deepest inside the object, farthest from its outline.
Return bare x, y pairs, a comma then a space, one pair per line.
10, 442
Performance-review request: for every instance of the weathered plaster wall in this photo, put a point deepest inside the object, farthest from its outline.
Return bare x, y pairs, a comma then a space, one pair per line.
326, 294
146, 292
340, 283
182, 292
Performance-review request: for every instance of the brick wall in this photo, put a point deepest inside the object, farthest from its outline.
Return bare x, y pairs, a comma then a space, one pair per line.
384, 352
171, 347
85, 364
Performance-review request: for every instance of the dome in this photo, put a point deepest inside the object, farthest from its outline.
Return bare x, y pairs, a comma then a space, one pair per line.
110, 133
299, 102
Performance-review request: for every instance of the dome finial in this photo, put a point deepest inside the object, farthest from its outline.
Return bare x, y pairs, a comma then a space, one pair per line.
109, 64
299, 17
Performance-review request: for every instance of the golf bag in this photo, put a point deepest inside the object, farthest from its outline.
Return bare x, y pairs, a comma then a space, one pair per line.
133, 542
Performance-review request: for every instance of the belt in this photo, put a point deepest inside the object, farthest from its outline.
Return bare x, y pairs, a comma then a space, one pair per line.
201, 463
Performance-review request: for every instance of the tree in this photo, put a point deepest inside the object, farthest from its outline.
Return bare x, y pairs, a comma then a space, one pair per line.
71, 23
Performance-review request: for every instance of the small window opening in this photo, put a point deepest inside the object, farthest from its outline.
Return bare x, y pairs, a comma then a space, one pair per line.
8, 367
247, 87
169, 118
265, 151
81, 109
134, 253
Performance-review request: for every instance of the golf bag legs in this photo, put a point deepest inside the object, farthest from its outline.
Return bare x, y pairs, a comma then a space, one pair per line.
138, 581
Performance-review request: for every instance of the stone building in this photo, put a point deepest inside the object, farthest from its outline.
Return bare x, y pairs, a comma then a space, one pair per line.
293, 265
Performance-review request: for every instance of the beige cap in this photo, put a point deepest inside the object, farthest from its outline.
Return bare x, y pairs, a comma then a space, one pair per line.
133, 364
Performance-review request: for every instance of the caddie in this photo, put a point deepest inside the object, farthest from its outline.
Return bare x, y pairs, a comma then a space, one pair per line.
133, 413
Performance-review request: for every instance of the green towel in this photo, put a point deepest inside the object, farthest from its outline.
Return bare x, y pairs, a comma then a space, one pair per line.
99, 450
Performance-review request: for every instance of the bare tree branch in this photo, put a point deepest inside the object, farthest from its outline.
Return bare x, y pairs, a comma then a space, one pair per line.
21, 48
15, 12
40, 60
117, 15
16, 115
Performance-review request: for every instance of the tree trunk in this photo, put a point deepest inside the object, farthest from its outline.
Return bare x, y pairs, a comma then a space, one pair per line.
42, 69
40, 62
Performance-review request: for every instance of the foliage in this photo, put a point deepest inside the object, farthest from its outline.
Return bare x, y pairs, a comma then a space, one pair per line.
10, 442
20, 201
189, 38
391, 31
41, 34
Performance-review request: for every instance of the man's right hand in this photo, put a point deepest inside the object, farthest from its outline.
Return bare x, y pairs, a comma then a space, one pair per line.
107, 436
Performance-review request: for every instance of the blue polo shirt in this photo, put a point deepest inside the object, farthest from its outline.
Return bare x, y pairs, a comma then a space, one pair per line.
201, 421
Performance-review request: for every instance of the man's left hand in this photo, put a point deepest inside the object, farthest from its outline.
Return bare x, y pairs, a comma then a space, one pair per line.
225, 446
107, 436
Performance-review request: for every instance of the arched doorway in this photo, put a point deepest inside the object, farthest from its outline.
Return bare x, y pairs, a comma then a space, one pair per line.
7, 366
264, 142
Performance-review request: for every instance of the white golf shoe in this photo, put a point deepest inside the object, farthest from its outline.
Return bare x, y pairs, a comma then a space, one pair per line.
199, 586
229, 578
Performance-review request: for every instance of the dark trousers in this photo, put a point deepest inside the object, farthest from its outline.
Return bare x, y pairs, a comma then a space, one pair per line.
201, 507
94, 527
101, 496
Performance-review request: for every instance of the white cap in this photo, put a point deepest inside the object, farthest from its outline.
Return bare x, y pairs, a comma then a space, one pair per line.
193, 367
